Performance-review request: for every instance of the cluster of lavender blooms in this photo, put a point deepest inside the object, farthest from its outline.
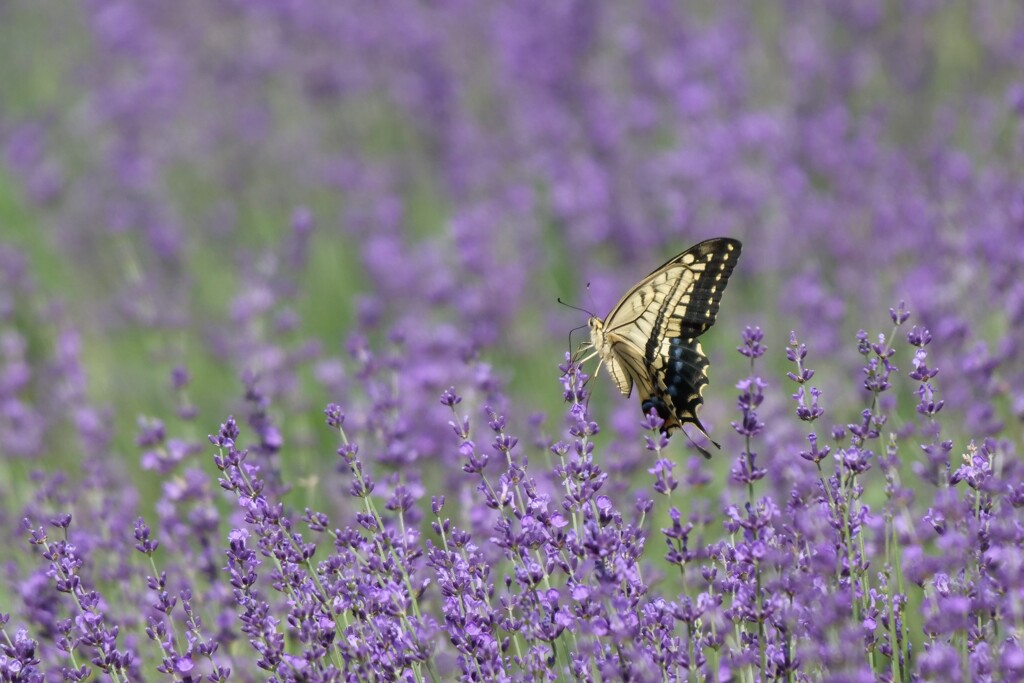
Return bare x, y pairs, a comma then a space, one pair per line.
456, 165
791, 573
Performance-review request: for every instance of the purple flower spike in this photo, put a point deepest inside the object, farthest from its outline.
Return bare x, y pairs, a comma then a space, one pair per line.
450, 398
751, 346
900, 314
815, 455
335, 418
919, 336
664, 482
750, 398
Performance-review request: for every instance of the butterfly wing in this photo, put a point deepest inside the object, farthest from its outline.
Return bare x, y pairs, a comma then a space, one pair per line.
625, 363
653, 330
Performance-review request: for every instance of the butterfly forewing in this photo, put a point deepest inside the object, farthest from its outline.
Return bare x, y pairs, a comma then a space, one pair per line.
650, 336
682, 295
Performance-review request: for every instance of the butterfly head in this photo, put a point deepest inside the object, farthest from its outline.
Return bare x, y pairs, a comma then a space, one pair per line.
596, 343
596, 332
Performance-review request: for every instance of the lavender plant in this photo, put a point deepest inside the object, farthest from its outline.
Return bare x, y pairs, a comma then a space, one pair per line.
270, 216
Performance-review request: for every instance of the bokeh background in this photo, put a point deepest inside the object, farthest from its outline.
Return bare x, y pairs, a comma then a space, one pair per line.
254, 208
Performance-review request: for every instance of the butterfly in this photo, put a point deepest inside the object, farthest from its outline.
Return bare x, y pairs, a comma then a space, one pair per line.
650, 338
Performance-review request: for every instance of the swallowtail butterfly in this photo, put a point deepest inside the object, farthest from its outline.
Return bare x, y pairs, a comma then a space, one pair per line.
650, 338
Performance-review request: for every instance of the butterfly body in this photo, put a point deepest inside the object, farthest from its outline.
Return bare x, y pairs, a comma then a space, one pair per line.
650, 338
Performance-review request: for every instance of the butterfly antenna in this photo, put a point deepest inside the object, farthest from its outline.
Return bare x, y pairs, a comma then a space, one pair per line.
590, 294
573, 354
576, 308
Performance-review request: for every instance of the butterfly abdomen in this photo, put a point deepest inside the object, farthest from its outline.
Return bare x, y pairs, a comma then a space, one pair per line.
661, 409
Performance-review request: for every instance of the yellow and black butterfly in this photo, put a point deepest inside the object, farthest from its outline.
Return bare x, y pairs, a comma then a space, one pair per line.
650, 336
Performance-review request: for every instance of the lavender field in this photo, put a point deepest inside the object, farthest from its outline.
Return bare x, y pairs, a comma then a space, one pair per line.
286, 393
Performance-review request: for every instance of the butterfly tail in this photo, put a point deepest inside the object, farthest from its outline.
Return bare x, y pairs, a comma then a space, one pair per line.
673, 423
703, 431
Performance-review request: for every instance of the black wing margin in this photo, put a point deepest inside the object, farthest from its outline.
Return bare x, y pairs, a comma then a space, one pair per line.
714, 261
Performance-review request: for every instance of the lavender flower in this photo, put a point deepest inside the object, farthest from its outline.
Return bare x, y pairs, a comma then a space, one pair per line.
261, 208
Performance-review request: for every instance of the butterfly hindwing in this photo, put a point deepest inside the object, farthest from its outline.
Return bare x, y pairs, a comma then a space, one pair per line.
650, 337
627, 365
680, 374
